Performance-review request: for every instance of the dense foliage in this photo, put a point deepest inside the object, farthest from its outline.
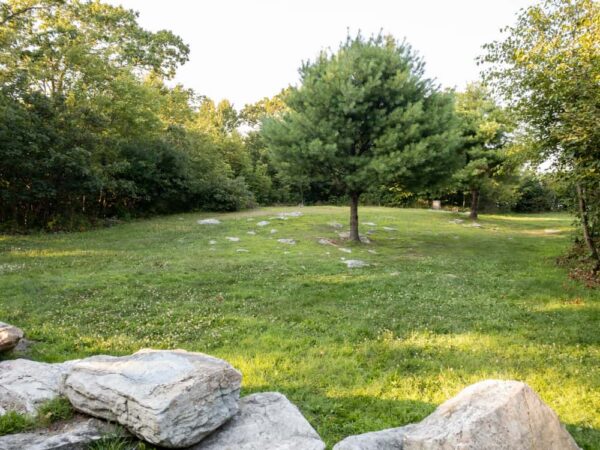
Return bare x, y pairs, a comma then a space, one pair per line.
89, 129
548, 69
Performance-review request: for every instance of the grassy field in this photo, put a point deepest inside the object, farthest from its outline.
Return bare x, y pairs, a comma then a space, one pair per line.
440, 306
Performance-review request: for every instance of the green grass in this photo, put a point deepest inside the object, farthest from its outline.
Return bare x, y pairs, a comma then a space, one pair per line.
48, 413
441, 306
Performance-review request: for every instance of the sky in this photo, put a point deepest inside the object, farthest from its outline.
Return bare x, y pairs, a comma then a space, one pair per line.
247, 50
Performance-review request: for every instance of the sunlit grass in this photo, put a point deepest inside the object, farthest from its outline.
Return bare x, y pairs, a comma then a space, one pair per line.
441, 306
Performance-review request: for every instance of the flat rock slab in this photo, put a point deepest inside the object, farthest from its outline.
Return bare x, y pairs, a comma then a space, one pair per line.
287, 241
75, 435
168, 398
490, 415
209, 222
263, 223
9, 336
355, 263
25, 384
233, 239
266, 421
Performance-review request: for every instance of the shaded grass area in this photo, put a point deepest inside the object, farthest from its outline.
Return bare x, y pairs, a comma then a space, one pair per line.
441, 306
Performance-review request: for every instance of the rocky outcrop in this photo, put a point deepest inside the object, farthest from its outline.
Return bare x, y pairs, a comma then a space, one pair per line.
9, 336
78, 434
25, 385
266, 421
168, 398
491, 415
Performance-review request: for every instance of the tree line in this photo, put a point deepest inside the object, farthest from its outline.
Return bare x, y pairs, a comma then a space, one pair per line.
91, 128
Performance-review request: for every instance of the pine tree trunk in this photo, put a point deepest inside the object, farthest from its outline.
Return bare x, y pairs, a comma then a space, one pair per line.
589, 241
474, 204
354, 236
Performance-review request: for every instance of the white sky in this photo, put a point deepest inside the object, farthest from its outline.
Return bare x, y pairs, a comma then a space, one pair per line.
246, 50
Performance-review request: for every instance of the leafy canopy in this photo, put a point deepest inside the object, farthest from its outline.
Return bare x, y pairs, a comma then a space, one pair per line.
365, 114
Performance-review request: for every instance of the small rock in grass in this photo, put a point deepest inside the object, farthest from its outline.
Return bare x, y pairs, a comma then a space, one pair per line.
355, 263
251, 233
212, 242
242, 250
324, 241
209, 222
9, 336
390, 229
287, 241
290, 214
262, 223
475, 225
345, 250
266, 421
336, 225
456, 221
372, 251
233, 239
273, 231
369, 224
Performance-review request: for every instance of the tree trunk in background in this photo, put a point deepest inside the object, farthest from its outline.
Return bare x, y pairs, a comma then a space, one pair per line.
474, 204
354, 236
589, 241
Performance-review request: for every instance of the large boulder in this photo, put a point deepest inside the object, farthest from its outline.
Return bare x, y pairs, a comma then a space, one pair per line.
168, 398
25, 385
491, 415
266, 421
78, 434
9, 336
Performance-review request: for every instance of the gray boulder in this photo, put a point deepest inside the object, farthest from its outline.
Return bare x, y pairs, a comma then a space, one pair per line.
168, 398
9, 336
25, 385
490, 415
74, 435
266, 421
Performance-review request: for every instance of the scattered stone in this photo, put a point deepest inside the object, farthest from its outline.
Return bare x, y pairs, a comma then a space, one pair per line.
355, 263
287, 241
9, 336
290, 214
475, 225
168, 398
324, 241
242, 250
262, 223
345, 250
212, 242
25, 384
390, 229
456, 221
394, 274
251, 233
369, 224
77, 434
209, 222
266, 421
372, 251
273, 231
233, 239
24, 346
491, 415
278, 218
335, 225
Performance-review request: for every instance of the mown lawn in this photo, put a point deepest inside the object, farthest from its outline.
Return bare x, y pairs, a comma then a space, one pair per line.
440, 306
